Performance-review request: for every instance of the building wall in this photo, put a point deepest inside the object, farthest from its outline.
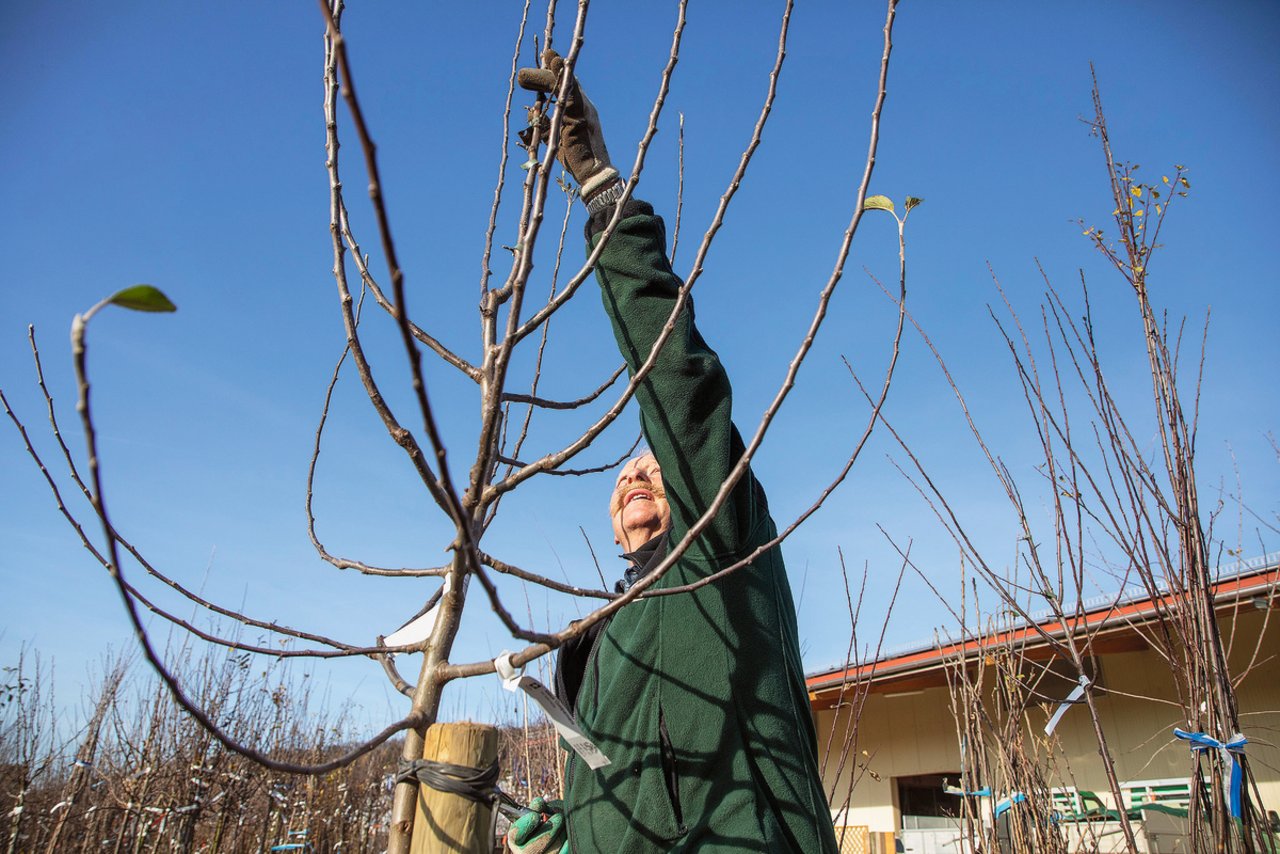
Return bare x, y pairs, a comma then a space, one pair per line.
896, 736
916, 734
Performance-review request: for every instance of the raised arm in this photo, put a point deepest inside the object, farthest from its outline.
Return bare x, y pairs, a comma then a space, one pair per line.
685, 400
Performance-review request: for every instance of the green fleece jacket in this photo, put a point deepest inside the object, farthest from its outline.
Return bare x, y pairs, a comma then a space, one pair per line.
698, 699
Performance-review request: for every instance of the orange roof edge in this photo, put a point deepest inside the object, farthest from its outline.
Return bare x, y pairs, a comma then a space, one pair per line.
1225, 591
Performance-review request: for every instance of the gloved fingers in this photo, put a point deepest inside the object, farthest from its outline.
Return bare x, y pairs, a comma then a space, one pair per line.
553, 61
581, 145
524, 828
537, 833
537, 79
554, 828
545, 79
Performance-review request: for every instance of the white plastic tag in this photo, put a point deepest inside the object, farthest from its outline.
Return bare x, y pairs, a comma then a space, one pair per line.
1066, 704
560, 716
419, 628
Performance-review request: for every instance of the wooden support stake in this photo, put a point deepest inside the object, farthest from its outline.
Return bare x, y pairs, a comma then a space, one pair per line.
445, 822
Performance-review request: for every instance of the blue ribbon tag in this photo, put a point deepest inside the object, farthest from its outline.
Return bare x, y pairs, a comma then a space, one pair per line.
1230, 751
1007, 804
1002, 806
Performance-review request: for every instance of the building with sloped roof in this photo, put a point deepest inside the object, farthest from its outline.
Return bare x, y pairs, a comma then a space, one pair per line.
906, 753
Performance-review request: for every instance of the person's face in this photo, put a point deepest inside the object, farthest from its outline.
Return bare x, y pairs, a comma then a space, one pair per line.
639, 504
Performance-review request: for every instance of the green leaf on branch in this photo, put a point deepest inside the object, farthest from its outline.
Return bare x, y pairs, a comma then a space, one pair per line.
142, 298
912, 201
878, 203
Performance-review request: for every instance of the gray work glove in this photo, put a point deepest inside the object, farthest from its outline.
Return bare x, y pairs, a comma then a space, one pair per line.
582, 149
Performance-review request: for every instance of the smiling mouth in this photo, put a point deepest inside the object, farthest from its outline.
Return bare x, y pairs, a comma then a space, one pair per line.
637, 495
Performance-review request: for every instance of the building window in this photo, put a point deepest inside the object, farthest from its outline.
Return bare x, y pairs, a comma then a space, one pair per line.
925, 803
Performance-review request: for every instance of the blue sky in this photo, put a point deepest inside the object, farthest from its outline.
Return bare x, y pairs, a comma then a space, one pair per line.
182, 145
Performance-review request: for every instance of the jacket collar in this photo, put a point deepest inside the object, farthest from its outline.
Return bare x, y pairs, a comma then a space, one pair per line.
642, 560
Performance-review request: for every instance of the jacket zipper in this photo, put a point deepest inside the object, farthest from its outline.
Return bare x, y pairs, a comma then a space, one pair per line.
670, 772
592, 667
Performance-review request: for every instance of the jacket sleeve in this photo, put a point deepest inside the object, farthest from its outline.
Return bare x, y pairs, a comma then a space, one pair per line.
685, 401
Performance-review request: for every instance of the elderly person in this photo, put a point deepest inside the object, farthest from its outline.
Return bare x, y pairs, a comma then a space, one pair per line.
698, 699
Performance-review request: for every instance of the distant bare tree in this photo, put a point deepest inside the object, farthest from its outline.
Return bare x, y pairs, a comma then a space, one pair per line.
82, 766
28, 743
1116, 513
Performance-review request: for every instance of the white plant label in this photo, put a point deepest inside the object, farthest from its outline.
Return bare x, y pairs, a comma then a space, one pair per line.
561, 717
419, 628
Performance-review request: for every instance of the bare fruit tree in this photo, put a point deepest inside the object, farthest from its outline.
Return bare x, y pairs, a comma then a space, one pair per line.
1113, 510
467, 485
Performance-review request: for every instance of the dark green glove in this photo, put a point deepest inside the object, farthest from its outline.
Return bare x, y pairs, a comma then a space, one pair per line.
582, 149
539, 831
